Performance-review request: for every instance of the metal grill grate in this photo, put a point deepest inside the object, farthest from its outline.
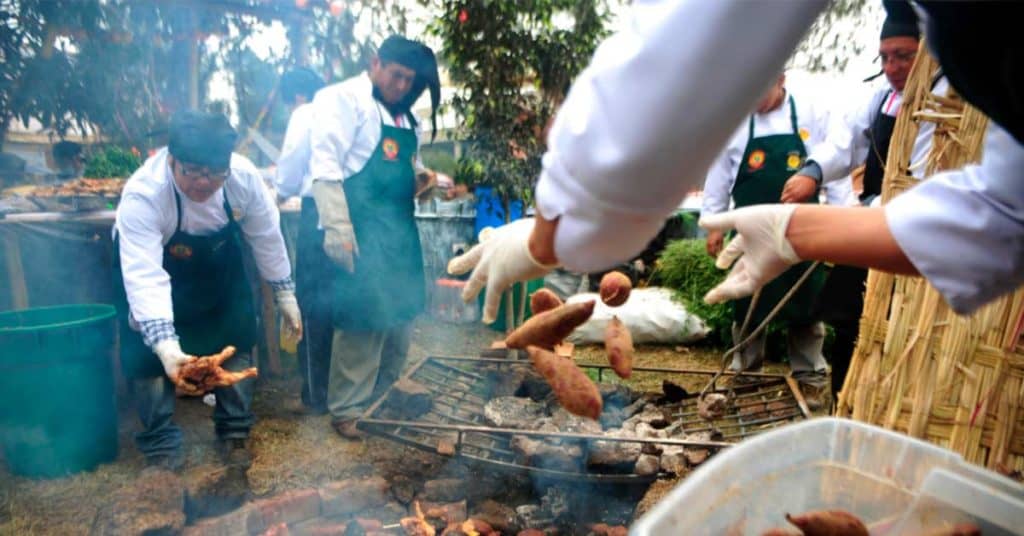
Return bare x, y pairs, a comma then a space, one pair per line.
459, 390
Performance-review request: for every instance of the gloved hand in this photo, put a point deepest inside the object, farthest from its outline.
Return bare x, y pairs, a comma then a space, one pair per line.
290, 313
499, 260
761, 251
339, 236
172, 357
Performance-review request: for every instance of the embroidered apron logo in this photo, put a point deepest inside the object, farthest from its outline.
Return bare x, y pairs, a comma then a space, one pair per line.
793, 161
180, 251
805, 134
237, 213
756, 160
390, 148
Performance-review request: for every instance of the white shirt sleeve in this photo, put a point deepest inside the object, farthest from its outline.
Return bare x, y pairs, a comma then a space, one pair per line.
845, 146
964, 229
332, 133
721, 177
645, 119
141, 247
293, 164
261, 226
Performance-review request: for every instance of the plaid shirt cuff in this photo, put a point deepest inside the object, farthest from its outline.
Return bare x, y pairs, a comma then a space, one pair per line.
283, 284
154, 331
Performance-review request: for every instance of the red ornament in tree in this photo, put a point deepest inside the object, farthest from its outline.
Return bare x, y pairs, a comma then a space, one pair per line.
463, 16
337, 7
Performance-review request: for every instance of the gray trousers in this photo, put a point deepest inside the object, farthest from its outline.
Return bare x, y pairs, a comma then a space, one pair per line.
154, 400
803, 343
363, 365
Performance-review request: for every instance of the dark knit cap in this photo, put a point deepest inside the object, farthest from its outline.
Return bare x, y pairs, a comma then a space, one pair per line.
200, 138
420, 58
900, 20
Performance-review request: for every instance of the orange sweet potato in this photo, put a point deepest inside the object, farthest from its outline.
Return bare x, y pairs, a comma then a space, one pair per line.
550, 327
618, 342
828, 523
544, 300
574, 390
614, 289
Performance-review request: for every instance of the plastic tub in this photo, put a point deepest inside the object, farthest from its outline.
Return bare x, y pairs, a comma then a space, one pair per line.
57, 400
951, 497
824, 463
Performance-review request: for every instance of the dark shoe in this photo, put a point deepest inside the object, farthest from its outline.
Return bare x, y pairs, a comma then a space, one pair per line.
816, 396
167, 462
743, 380
297, 407
347, 429
235, 453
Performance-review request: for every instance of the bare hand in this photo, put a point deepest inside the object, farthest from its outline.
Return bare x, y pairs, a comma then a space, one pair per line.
799, 188
714, 243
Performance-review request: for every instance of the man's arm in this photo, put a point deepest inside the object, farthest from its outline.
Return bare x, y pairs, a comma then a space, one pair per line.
645, 119
718, 192
146, 283
332, 134
293, 163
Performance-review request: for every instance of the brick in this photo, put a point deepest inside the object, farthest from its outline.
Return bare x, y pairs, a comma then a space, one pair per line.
230, 524
289, 507
352, 497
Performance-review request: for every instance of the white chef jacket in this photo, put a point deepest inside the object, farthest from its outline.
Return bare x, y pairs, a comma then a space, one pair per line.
811, 117
293, 176
147, 217
964, 229
346, 128
645, 119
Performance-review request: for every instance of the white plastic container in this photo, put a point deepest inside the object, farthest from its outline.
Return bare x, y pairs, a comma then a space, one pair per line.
820, 464
948, 498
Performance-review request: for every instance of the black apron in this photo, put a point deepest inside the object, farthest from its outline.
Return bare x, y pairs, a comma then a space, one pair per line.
387, 289
768, 162
213, 304
879, 135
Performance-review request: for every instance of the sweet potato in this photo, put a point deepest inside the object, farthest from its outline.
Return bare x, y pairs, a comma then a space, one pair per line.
962, 529
828, 523
712, 406
574, 390
618, 342
614, 289
544, 300
550, 327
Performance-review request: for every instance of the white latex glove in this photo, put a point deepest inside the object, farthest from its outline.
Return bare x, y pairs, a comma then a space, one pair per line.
172, 357
760, 250
290, 313
499, 260
339, 236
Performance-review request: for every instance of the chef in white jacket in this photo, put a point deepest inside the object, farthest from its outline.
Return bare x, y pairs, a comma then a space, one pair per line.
298, 87
625, 149
178, 260
752, 169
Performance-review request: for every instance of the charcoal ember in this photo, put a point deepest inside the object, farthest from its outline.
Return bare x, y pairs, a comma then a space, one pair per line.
505, 381
534, 386
539, 453
409, 398
547, 424
603, 529
673, 459
647, 464
447, 513
712, 406
532, 516
616, 395
646, 431
613, 453
697, 455
555, 503
673, 392
403, 488
443, 490
650, 415
513, 412
499, 516
567, 422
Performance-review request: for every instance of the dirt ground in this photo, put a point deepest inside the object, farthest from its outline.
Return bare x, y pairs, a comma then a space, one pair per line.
289, 451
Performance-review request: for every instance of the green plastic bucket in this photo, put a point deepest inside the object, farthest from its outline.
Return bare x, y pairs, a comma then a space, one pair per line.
57, 400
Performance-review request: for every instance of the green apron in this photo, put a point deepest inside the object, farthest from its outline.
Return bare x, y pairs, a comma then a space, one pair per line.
387, 288
212, 301
768, 161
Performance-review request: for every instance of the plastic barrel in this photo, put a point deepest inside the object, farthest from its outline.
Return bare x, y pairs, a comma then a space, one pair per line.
57, 399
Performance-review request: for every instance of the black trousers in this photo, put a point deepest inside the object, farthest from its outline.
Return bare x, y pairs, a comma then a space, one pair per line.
312, 288
840, 305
